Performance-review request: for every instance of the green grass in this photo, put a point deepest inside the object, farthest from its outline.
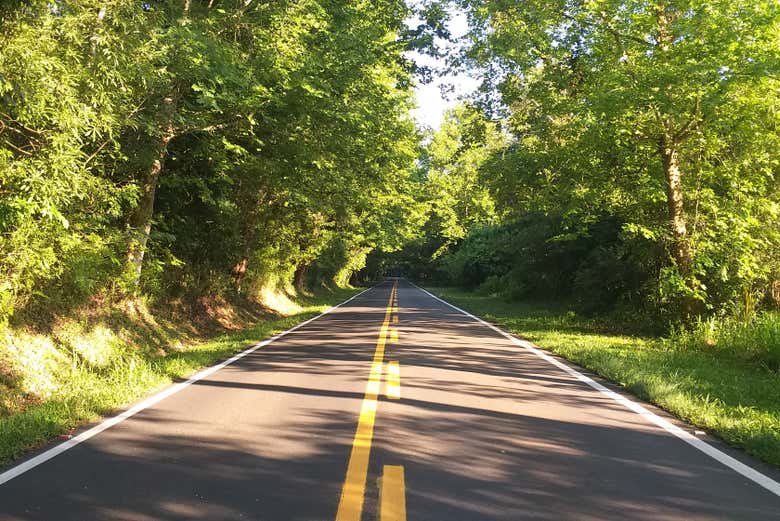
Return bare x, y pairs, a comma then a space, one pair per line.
51, 384
756, 339
730, 392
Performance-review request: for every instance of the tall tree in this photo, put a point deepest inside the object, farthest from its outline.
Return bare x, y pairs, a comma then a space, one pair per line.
163, 145
625, 101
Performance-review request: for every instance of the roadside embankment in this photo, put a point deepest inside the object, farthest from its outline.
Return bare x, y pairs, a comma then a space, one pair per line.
58, 376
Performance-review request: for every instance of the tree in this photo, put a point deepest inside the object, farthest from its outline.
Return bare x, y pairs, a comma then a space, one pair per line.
199, 146
618, 105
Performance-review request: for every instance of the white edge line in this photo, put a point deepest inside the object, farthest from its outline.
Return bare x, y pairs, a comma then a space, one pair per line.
733, 463
45, 456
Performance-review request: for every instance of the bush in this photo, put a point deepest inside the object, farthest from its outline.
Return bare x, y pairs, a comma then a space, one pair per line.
756, 338
538, 257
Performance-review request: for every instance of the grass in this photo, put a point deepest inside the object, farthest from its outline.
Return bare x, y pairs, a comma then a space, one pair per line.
756, 338
55, 381
721, 383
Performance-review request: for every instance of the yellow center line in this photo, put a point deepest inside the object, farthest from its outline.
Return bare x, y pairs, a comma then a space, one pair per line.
393, 335
393, 381
392, 494
354, 488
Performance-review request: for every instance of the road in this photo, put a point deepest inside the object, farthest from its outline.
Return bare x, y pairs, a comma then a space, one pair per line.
396, 392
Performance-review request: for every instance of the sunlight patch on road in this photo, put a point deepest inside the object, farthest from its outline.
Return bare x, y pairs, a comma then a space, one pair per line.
393, 381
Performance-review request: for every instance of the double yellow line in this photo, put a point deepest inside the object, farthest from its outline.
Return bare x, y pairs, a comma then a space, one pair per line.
392, 498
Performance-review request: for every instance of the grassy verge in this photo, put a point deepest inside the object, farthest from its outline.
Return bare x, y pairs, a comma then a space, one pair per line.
719, 390
52, 382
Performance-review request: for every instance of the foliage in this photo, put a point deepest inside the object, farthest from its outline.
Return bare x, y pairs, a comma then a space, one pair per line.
636, 166
185, 147
755, 338
597, 270
457, 198
662, 115
451, 198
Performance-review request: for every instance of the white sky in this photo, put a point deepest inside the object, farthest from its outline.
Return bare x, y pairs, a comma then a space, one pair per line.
431, 104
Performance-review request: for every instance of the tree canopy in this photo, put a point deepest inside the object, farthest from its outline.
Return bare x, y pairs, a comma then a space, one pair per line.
641, 160
620, 153
199, 145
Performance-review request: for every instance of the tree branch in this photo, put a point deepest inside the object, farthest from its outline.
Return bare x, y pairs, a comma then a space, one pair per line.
691, 124
611, 30
96, 152
21, 151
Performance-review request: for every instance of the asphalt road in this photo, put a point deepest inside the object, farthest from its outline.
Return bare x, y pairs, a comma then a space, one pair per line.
394, 391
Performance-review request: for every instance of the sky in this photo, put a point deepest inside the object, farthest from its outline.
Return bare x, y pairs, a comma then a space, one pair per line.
431, 103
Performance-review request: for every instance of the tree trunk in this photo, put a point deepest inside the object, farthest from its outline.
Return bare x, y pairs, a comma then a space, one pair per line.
668, 144
299, 279
681, 249
682, 252
239, 269
249, 231
140, 221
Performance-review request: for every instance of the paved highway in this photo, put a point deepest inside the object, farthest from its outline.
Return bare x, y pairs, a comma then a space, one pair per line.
392, 406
